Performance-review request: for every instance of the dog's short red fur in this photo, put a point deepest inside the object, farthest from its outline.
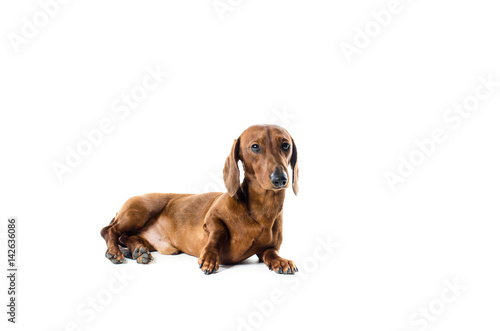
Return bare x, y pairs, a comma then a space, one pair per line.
219, 228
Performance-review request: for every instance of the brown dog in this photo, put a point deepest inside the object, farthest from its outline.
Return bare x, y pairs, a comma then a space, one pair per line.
219, 228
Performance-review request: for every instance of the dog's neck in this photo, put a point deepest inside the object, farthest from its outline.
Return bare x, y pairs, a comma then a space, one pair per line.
263, 205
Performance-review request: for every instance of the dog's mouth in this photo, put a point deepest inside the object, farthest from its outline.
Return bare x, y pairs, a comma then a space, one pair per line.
280, 188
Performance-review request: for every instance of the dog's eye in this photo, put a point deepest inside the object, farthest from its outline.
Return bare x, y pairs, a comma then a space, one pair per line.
256, 148
285, 146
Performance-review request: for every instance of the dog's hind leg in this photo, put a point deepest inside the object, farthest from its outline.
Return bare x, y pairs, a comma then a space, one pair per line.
132, 217
109, 234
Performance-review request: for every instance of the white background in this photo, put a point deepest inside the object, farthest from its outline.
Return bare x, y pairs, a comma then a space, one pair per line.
351, 122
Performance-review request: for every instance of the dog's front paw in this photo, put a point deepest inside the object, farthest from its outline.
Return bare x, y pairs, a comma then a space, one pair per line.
282, 266
209, 262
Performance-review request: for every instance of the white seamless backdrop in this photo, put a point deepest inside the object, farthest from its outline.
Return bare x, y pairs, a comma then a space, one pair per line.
393, 106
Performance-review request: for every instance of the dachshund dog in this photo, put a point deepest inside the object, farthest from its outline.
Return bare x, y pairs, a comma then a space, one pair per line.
218, 228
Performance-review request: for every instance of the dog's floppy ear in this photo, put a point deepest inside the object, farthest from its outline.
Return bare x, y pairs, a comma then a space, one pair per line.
295, 169
231, 170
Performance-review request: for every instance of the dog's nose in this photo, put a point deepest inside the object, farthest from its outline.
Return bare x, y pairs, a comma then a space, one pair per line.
279, 179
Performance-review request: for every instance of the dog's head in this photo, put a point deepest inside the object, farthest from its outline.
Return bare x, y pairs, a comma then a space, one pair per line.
266, 151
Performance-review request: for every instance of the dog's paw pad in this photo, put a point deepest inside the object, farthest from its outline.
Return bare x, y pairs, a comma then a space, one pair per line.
142, 255
115, 258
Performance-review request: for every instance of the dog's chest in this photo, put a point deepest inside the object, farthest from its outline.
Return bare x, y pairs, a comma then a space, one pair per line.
253, 239
265, 238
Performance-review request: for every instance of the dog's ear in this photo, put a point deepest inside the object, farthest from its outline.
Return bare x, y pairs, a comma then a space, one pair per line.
295, 169
231, 170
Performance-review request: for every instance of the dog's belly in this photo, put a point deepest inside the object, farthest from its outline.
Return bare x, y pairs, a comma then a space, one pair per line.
179, 228
169, 236
159, 240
